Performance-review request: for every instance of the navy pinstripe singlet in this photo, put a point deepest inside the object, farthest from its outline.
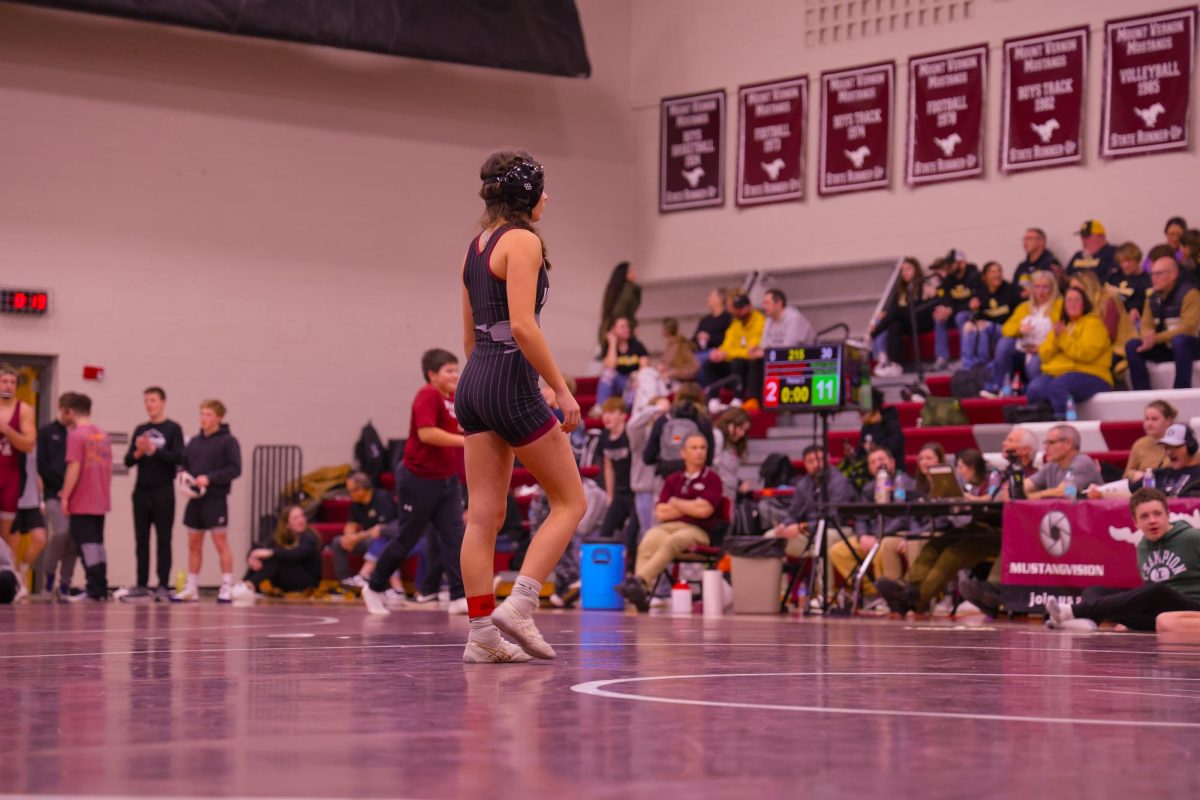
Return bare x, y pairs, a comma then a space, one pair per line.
498, 390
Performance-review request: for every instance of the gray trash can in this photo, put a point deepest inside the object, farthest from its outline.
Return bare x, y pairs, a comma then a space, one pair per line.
757, 571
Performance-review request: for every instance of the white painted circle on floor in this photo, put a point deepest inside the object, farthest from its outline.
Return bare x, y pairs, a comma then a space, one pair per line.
290, 635
598, 689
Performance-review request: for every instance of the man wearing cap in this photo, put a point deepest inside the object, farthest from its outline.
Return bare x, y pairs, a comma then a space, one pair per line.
1169, 323
960, 282
744, 333
1037, 259
1183, 452
1096, 254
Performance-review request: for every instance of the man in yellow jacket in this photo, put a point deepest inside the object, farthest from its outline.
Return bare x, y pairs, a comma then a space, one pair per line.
1076, 357
1170, 321
743, 334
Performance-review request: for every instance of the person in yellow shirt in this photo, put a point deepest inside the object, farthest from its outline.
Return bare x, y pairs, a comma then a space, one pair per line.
742, 335
1023, 333
1076, 356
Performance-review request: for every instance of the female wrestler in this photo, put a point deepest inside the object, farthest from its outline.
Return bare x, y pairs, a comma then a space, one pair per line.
502, 412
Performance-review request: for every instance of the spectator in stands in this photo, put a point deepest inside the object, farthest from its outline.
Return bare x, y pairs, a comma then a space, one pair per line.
972, 472
730, 439
373, 521
1169, 323
642, 476
686, 416
710, 332
894, 545
1076, 358
292, 563
623, 356
1111, 312
894, 321
686, 514
785, 326
1173, 233
1023, 334
960, 283
622, 297
1020, 446
678, 358
804, 512
1037, 259
993, 304
618, 461
1095, 253
1147, 453
1168, 558
1061, 450
733, 356
880, 426
1129, 282
1181, 473
1189, 252
60, 553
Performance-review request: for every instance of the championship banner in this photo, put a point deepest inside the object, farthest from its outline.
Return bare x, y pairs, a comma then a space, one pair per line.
1043, 100
856, 129
692, 155
771, 141
945, 115
1148, 64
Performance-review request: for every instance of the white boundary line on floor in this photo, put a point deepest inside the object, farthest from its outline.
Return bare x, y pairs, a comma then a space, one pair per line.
317, 620
597, 689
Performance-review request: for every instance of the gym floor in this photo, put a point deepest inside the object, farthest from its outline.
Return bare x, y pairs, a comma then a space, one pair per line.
324, 701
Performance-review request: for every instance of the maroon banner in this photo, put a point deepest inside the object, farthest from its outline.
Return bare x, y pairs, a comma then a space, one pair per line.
771, 141
1092, 543
945, 115
692, 158
1043, 100
1147, 83
856, 129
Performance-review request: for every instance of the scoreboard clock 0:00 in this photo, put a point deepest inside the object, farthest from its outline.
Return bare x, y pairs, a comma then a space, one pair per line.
803, 377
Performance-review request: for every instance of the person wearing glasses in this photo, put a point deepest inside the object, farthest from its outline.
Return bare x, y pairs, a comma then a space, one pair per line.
1169, 323
1061, 452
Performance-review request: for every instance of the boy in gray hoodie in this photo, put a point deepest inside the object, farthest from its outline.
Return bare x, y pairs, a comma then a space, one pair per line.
1169, 560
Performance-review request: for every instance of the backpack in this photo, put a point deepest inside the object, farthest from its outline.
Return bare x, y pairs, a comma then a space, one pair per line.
370, 453
597, 507
939, 411
1015, 415
670, 442
776, 470
970, 382
745, 518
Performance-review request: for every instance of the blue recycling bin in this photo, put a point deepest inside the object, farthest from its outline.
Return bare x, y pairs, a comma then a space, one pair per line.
601, 570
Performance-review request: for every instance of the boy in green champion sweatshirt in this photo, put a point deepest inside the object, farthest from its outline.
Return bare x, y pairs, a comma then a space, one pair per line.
1169, 560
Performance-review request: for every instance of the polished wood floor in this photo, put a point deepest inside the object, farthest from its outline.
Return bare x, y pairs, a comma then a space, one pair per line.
324, 701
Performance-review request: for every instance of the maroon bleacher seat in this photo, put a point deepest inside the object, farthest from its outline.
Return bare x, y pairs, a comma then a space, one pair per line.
587, 385
334, 509
979, 410
939, 385
1121, 435
1117, 458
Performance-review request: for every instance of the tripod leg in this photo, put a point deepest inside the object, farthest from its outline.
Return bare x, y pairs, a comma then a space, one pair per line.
816, 545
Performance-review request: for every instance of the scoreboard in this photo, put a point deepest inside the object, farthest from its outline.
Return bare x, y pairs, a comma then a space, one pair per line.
803, 378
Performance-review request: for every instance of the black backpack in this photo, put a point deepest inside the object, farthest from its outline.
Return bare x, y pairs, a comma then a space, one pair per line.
776, 470
970, 382
370, 453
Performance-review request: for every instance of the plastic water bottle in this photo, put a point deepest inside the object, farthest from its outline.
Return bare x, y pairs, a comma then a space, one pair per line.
180, 581
1070, 490
1072, 415
1014, 387
681, 598
1148, 480
993, 484
883, 487
900, 495
1006, 389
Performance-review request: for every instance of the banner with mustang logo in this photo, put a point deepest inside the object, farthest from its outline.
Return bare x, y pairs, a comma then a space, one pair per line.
945, 115
1042, 103
692, 158
771, 141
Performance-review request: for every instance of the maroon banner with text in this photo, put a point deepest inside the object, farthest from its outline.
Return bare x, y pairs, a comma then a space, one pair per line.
1043, 100
771, 141
856, 129
1091, 543
692, 157
1148, 64
945, 115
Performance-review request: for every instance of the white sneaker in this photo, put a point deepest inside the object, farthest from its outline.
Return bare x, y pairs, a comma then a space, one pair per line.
520, 629
889, 369
506, 653
421, 599
557, 601
966, 608
22, 592
243, 594
189, 595
458, 607
225, 593
395, 599
355, 582
942, 607
375, 602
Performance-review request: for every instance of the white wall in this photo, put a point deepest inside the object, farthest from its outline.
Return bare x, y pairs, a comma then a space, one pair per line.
685, 46
280, 226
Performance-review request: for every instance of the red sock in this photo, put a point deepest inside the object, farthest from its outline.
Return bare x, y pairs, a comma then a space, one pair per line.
481, 605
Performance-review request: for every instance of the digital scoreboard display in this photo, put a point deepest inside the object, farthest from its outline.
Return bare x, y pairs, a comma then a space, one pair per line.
821, 377
24, 301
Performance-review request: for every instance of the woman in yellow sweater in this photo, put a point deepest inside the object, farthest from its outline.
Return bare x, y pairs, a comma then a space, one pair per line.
1076, 357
